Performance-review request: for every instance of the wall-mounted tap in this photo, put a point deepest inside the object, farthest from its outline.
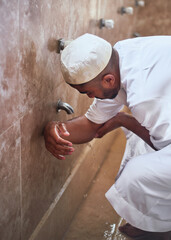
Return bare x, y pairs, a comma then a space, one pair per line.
139, 3
126, 10
109, 23
61, 44
64, 106
136, 34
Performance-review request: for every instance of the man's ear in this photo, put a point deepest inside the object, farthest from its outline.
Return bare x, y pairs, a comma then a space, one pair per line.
108, 81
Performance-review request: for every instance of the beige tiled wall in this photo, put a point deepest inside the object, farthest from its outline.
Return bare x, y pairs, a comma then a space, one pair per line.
30, 85
155, 18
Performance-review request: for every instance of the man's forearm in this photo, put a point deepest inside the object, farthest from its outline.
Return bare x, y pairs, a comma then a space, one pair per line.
129, 122
81, 130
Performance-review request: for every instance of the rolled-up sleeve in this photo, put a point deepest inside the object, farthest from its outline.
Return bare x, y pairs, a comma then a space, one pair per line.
102, 110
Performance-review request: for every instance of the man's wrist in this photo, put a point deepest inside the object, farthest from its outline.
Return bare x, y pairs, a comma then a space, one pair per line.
121, 119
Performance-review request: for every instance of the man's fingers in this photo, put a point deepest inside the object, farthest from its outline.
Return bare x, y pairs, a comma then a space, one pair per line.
63, 130
59, 152
58, 156
54, 142
62, 141
54, 136
100, 133
59, 149
57, 137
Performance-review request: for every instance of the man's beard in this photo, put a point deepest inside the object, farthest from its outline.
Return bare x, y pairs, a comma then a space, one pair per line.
110, 93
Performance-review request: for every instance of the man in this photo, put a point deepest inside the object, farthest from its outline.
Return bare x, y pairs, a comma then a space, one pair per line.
135, 73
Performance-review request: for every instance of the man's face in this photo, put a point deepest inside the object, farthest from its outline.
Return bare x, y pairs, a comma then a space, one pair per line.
96, 91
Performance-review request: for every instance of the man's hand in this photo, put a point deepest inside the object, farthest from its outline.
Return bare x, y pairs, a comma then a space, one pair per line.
126, 120
53, 133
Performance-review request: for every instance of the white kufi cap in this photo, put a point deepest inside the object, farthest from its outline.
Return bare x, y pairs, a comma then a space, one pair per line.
84, 58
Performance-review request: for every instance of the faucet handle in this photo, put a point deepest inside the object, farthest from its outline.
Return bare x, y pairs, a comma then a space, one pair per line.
108, 23
61, 44
64, 106
139, 3
126, 10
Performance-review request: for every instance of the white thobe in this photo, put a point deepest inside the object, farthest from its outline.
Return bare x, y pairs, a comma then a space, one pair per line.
142, 191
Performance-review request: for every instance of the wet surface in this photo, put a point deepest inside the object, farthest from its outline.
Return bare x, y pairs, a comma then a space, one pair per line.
117, 234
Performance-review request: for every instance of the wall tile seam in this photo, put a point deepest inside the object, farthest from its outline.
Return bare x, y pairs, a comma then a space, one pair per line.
21, 189
42, 100
19, 122
18, 76
24, 114
12, 125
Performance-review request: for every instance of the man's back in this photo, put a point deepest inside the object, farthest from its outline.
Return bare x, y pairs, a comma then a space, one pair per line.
145, 67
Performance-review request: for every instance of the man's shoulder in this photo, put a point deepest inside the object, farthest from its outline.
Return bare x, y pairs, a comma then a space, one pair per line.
142, 44
145, 39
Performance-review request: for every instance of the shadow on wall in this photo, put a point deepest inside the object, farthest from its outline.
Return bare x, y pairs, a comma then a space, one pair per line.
52, 45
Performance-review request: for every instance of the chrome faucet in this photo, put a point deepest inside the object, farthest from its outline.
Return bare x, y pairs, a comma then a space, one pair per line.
64, 106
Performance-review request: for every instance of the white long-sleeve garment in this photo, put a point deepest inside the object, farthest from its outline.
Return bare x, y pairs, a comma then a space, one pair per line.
142, 192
